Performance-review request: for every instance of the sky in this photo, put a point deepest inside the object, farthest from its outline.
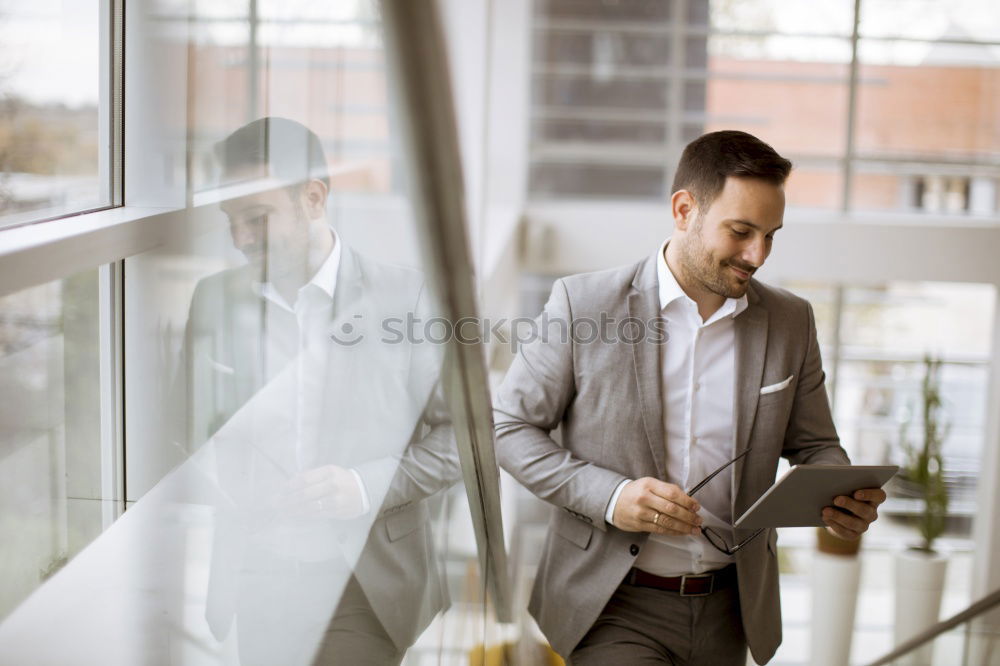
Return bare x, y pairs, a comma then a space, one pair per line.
49, 50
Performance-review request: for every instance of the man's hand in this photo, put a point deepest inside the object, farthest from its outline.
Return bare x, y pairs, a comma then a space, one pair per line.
651, 505
862, 511
323, 492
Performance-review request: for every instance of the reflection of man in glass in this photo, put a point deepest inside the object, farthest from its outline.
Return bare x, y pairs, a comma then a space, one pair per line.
325, 442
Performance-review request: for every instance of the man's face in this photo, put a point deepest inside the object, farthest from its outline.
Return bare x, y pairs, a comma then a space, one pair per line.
726, 244
270, 229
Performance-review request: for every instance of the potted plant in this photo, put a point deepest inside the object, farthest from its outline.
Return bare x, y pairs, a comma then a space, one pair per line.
920, 569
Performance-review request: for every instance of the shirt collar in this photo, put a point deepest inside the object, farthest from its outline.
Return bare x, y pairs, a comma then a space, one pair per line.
326, 276
670, 290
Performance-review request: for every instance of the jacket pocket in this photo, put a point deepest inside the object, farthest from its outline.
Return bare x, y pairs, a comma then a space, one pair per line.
398, 525
575, 531
778, 386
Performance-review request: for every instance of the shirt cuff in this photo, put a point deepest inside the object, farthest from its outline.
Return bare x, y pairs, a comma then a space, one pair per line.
365, 504
609, 513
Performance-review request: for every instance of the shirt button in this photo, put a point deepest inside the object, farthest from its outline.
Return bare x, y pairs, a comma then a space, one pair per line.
634, 549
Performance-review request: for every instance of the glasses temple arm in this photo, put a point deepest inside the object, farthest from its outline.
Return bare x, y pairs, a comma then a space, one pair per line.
716, 472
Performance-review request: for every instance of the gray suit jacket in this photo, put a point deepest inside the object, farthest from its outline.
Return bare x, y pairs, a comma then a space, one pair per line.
607, 398
382, 415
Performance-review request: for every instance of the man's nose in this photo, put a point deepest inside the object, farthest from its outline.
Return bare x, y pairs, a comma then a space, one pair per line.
756, 253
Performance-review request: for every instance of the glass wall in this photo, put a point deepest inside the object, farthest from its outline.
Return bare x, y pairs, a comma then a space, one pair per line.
56, 477
54, 151
874, 341
291, 473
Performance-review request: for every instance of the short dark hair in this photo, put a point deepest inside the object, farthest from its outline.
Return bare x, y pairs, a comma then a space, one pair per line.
284, 148
708, 160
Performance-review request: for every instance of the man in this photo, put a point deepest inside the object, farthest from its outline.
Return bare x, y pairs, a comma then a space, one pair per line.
628, 576
325, 442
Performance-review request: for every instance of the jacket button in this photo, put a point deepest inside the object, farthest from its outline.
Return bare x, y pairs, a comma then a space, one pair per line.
634, 549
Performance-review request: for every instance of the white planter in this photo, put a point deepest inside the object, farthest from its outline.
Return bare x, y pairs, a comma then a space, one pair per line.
834, 600
919, 584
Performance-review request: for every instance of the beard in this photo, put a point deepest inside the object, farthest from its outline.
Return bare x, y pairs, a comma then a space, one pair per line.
704, 269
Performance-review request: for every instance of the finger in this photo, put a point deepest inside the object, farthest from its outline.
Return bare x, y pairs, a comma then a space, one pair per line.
665, 524
874, 496
851, 523
672, 493
843, 533
860, 509
319, 490
671, 527
304, 503
674, 510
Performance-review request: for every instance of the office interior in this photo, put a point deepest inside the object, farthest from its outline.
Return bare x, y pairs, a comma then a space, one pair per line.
474, 152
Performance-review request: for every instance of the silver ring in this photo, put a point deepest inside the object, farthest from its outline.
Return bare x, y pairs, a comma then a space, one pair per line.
656, 518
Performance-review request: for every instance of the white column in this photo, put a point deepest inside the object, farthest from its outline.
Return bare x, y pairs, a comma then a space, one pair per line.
834, 603
985, 572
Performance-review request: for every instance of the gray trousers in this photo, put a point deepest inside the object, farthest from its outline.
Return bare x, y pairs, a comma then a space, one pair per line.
355, 636
642, 625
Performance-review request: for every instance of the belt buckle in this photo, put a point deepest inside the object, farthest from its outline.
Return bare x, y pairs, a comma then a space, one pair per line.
686, 577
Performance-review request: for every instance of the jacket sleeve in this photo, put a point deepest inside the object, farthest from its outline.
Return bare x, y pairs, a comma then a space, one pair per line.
530, 404
429, 463
811, 436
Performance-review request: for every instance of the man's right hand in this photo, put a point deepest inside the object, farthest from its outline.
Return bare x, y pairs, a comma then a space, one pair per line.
641, 500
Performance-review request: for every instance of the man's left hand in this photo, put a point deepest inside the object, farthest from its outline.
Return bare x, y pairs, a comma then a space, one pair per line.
329, 491
854, 514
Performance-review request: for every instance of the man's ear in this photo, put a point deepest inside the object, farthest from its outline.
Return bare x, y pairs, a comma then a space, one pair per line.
684, 209
314, 195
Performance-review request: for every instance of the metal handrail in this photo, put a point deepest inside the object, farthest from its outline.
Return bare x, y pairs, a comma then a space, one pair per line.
418, 66
977, 608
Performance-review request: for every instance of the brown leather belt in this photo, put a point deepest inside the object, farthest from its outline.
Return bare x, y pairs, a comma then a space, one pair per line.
689, 585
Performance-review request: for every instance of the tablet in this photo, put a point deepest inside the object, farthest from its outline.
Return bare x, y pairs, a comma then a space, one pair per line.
798, 497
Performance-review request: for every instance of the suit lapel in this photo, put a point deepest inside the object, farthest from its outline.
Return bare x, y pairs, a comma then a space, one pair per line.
644, 304
751, 347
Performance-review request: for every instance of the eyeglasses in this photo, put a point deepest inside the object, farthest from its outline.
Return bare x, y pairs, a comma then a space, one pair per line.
711, 535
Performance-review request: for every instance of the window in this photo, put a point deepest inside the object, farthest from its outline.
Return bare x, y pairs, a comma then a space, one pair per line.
928, 89
216, 394
55, 139
56, 476
874, 340
316, 63
620, 87
610, 99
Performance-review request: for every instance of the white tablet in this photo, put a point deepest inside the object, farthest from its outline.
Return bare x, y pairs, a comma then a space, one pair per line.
798, 497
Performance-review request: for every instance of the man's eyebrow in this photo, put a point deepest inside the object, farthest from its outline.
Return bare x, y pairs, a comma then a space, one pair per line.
752, 224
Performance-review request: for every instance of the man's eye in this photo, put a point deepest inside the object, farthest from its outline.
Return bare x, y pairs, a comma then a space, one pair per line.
257, 220
740, 233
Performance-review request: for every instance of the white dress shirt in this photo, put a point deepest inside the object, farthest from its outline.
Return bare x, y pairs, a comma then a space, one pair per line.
299, 334
698, 380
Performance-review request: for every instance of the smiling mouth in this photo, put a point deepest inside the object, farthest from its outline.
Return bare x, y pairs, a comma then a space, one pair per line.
743, 275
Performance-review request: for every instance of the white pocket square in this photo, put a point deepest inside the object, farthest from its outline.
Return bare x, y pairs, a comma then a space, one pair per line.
773, 388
